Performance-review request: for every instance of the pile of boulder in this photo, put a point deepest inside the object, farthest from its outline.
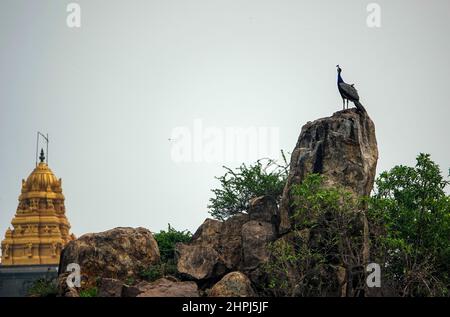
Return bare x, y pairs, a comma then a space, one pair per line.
227, 258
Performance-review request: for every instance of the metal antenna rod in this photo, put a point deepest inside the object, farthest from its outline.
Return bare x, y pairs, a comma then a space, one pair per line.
39, 134
37, 146
47, 148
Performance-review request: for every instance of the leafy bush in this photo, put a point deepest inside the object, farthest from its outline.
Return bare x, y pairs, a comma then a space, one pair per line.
157, 271
412, 205
238, 186
167, 241
328, 237
43, 287
152, 273
90, 292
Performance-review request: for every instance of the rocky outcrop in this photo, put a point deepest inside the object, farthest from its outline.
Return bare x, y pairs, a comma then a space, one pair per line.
169, 288
163, 287
255, 237
136, 289
238, 243
264, 209
342, 147
234, 284
110, 287
228, 258
215, 248
198, 261
120, 253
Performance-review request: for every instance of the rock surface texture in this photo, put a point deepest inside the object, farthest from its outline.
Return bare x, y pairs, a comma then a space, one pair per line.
169, 288
234, 284
238, 243
119, 253
342, 147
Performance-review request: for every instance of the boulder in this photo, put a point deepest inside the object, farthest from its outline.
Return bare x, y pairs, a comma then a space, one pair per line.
265, 208
234, 284
230, 247
120, 253
208, 232
342, 147
136, 289
164, 287
236, 244
215, 248
110, 287
198, 261
255, 237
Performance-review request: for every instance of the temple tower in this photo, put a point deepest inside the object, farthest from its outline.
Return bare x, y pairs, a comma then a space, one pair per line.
40, 228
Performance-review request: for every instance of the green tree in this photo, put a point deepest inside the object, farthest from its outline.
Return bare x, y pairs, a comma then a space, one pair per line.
168, 239
328, 238
412, 205
238, 186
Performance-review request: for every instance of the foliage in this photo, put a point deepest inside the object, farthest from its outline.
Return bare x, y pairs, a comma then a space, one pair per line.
238, 186
89, 292
130, 281
152, 273
412, 205
328, 237
168, 239
156, 271
43, 287
407, 228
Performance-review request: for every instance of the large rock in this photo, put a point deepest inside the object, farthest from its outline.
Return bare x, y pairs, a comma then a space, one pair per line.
169, 288
230, 247
342, 147
238, 243
136, 289
234, 284
255, 237
197, 260
264, 208
110, 287
215, 248
207, 233
120, 253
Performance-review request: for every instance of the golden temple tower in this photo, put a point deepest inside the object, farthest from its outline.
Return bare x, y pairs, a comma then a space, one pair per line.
40, 227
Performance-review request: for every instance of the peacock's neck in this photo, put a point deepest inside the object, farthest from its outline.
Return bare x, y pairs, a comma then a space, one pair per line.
339, 79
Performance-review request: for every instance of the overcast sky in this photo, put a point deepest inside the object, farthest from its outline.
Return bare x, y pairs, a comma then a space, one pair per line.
112, 92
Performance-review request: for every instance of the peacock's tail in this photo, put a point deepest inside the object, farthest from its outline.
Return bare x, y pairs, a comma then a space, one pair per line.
359, 106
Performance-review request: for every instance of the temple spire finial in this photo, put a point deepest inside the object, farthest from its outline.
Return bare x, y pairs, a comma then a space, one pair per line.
42, 156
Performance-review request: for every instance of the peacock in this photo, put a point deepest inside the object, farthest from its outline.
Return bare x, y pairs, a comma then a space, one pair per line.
348, 92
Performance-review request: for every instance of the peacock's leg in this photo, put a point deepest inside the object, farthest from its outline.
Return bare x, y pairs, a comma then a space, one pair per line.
343, 104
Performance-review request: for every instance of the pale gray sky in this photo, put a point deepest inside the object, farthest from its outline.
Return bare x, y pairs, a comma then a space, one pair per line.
110, 93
